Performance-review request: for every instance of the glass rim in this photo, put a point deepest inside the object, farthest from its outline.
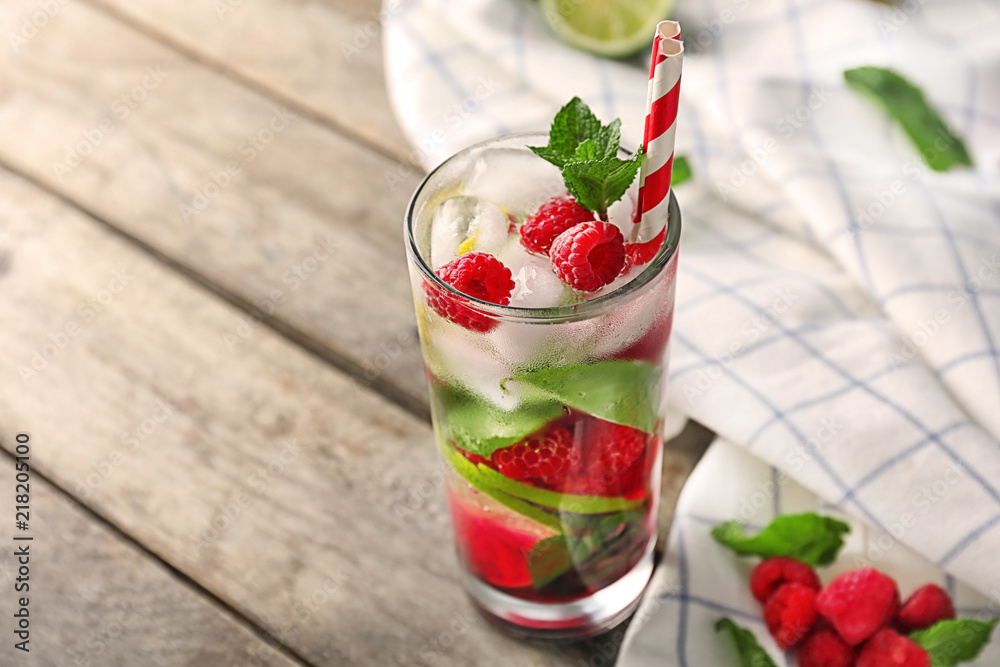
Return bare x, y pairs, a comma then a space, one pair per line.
571, 311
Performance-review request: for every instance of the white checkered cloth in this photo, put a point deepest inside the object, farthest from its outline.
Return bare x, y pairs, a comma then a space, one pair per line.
838, 308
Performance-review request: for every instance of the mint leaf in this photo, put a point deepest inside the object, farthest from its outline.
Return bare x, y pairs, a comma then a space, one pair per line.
595, 551
952, 642
480, 427
596, 184
586, 151
750, 652
623, 392
938, 145
681, 171
604, 145
574, 124
552, 155
549, 559
609, 139
809, 537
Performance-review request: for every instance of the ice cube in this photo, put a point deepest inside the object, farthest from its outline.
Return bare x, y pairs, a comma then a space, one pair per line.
466, 224
535, 286
515, 179
535, 283
469, 359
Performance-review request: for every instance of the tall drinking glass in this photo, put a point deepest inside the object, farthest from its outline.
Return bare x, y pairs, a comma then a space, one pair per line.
548, 411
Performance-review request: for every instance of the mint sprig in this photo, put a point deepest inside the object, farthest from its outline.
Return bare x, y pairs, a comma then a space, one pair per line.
952, 642
586, 151
809, 537
750, 652
940, 148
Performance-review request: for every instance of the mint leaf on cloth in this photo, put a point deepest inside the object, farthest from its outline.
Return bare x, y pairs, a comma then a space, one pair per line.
681, 171
940, 148
597, 184
750, 652
952, 642
623, 392
810, 538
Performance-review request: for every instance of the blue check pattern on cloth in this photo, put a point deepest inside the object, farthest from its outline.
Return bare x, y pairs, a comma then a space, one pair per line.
838, 307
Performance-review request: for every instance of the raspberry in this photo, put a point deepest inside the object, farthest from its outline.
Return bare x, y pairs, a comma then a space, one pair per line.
790, 613
613, 458
825, 648
773, 573
616, 447
928, 605
588, 256
585, 456
474, 274
890, 649
552, 219
543, 459
858, 603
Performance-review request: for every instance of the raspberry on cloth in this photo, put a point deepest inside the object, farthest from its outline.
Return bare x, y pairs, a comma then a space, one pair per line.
859, 603
925, 607
773, 573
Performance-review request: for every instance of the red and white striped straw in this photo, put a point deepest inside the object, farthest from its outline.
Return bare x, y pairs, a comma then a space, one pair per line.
661, 126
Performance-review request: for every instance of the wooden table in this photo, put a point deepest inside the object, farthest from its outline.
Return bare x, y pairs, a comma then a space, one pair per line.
208, 335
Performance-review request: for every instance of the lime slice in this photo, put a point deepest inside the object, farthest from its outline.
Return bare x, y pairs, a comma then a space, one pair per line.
611, 28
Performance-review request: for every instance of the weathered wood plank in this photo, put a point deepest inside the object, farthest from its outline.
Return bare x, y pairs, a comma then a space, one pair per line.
266, 476
97, 600
323, 57
280, 212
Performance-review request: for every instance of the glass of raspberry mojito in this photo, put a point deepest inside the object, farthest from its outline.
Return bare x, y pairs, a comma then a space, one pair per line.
545, 332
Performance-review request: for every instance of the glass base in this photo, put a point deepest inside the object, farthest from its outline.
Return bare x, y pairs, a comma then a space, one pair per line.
569, 620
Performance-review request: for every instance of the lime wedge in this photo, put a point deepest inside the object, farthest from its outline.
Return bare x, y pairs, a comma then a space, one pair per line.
613, 28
